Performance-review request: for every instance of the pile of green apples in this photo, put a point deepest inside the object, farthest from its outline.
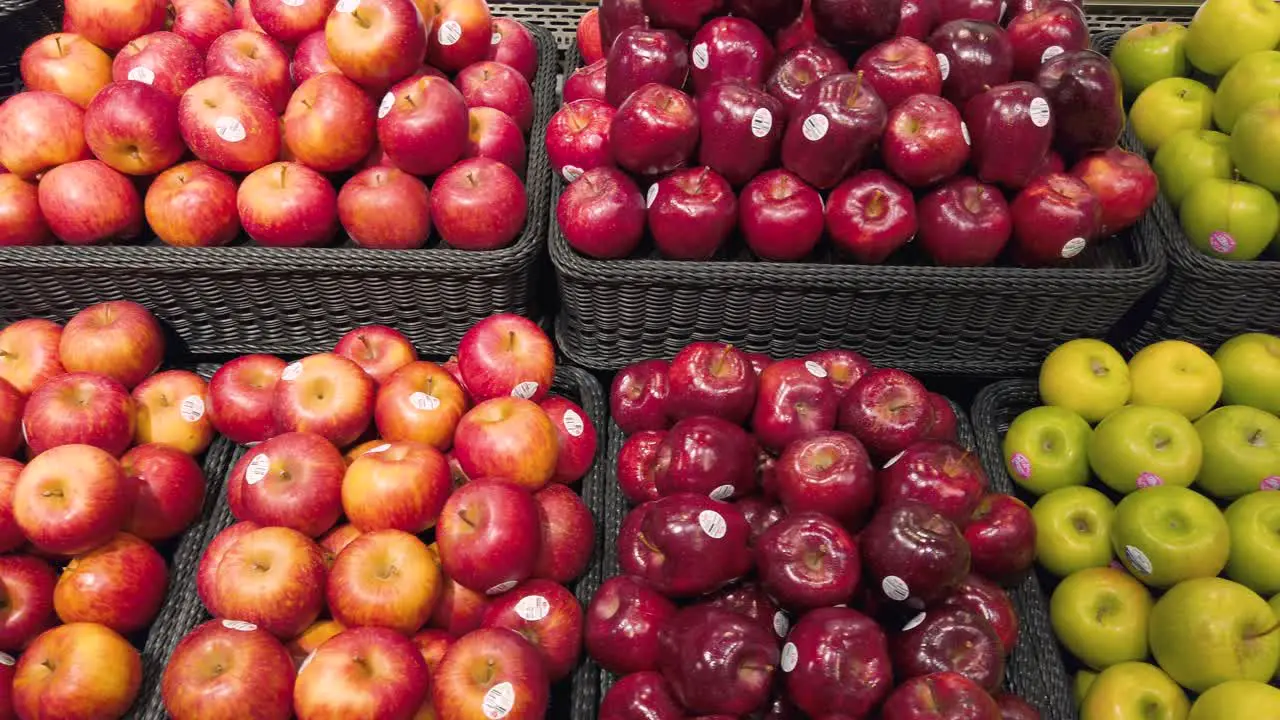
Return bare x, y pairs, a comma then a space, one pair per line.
1160, 588
1223, 72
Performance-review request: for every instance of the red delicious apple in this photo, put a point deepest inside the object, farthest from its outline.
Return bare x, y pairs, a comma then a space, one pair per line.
362, 672
577, 435
423, 127
964, 223
705, 455
193, 205
1086, 99
1124, 184
28, 609
478, 204
66, 64
795, 400
493, 134
730, 48
913, 554
506, 355
384, 578
1044, 32
623, 622
685, 545
513, 45
827, 472
402, 487
170, 487
502, 87
1013, 707
870, 216
1055, 217
311, 58
940, 695
578, 138
655, 131
638, 466
985, 10
1002, 537
29, 353
329, 123
925, 141
231, 669
833, 129
587, 83
568, 534
761, 513
770, 15
942, 475
781, 218
590, 43
87, 203
983, 597
918, 18
752, 601
79, 408
800, 68
71, 499
20, 220
119, 339
120, 585
641, 56
641, 696
806, 561
287, 204
717, 662
862, 22
618, 15
638, 397
684, 16
602, 213
293, 480
11, 537
548, 616
900, 68
949, 640
836, 660
379, 350
489, 536
385, 208
420, 402
509, 438
709, 378
742, 128
462, 35
489, 671
110, 25
272, 577
692, 212
844, 368
974, 55
38, 131
945, 423
377, 43
1011, 128
256, 59
240, 397
229, 124
207, 571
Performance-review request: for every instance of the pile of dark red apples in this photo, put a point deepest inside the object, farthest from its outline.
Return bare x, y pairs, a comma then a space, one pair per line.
807, 540
893, 121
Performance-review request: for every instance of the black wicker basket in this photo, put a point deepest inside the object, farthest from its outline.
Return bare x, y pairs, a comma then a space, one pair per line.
22, 22
245, 298
578, 698
988, 321
1032, 673
1203, 299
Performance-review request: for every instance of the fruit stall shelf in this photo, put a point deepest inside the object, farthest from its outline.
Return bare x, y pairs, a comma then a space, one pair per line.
1032, 673
245, 298
1203, 299
575, 699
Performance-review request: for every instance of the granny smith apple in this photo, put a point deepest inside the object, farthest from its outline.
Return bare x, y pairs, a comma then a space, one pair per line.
1149, 53
1177, 375
1208, 631
1073, 530
1047, 448
1140, 446
1255, 144
1237, 699
1229, 219
1254, 521
1088, 377
1167, 534
1223, 31
1188, 157
1250, 365
1080, 688
1134, 691
1170, 105
1254, 79
1241, 452
1100, 615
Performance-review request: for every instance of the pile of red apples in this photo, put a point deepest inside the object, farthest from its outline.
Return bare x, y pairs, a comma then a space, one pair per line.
867, 123
807, 539
286, 120
110, 469
405, 533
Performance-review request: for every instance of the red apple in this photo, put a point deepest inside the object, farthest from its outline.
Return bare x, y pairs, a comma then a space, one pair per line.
781, 218
337, 539
363, 672
590, 44
806, 560
193, 205
1011, 127
229, 124
289, 21
242, 12
29, 353
944, 425
402, 487
493, 134
79, 408
825, 651
548, 616
379, 350
87, 203
795, 400
1124, 183
200, 22
984, 598
711, 379
964, 223
1044, 32
870, 216
730, 48
513, 45
385, 208
887, 410
489, 536
320, 632
119, 339
623, 622
587, 83
422, 125
287, 204
38, 131
568, 534
925, 141
421, 403
638, 397
384, 578
240, 398
641, 56
11, 537
110, 25
376, 43
478, 204
801, 67
742, 128
578, 138
461, 35
293, 480
833, 129
900, 68
984, 10
81, 669
272, 577
120, 585
170, 487
618, 15
460, 609
862, 23
977, 56
918, 18
20, 220
939, 695
72, 499
506, 355
691, 213
329, 123
509, 438
641, 696
637, 466
207, 571
311, 58
685, 545
502, 87
655, 131
433, 644
326, 394
490, 671
602, 213
577, 435
171, 411
1055, 217
66, 64
844, 368
165, 60
949, 639
1002, 536
718, 662
827, 472
28, 609
942, 475
228, 668
254, 58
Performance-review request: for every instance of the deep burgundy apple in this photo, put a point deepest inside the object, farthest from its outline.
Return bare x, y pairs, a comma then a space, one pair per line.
918, 18
795, 400
806, 561
870, 216
770, 15
913, 554
833, 129
925, 141
692, 212
709, 378
941, 695
858, 22
761, 513
638, 397
623, 622
1124, 183
900, 68
578, 138
939, 474
801, 67
568, 534
587, 83
1055, 217
837, 663
1085, 96
964, 223
742, 128
974, 55
985, 10
706, 455
752, 601
983, 597
827, 472
780, 217
641, 56
1011, 127
760, 361
602, 213
683, 16
685, 545
641, 696
1013, 707
655, 131
949, 639
1044, 32
945, 424
730, 48
718, 662
637, 466
1002, 538
887, 410
844, 367
1017, 7
618, 15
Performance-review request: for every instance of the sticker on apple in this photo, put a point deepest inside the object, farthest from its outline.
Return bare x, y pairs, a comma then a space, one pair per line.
815, 127
25, 439
761, 122
1074, 247
712, 523
495, 38
789, 657
525, 390
423, 401
964, 130
815, 369
895, 588
498, 701
1021, 465
1146, 480
1138, 559
6, 659
893, 460
501, 587
1050, 53
944, 64
914, 622
298, 3
701, 58
533, 608
573, 423
142, 74
257, 469
571, 172
381, 448
291, 371
1039, 111
724, 492
347, 6
307, 662
1222, 242
450, 33
240, 625
1271, 483
781, 624
192, 408
229, 129
384, 107
651, 195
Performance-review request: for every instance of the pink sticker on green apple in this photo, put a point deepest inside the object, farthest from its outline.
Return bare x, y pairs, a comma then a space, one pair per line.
1021, 465
1146, 480
1222, 242
1271, 483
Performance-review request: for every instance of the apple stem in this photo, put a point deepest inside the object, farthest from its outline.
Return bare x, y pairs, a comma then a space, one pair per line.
1267, 632
58, 41
511, 339
857, 90
284, 167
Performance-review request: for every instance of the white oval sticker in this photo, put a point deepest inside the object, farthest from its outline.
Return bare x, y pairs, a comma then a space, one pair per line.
533, 608
895, 588
815, 369
498, 701
291, 372
651, 196
789, 657
307, 662
573, 423
6, 659
914, 622
964, 130
944, 64
1073, 247
1050, 53
762, 122
423, 401
192, 408
501, 587
701, 58
257, 469
450, 33
893, 460
384, 107
346, 6
815, 127
294, 3
781, 624
571, 172
240, 625
229, 129
495, 38
381, 448
526, 389
712, 523
724, 492
1039, 111
1138, 559
142, 74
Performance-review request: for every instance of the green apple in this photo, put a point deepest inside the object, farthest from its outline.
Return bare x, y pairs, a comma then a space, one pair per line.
1165, 535
1047, 448
1188, 157
1229, 219
1073, 530
1208, 631
1255, 144
1134, 691
1100, 615
1250, 365
1149, 53
1274, 603
1254, 79
1223, 31
1083, 681
1140, 446
1177, 375
1254, 521
1085, 376
1168, 106
1241, 452
1237, 699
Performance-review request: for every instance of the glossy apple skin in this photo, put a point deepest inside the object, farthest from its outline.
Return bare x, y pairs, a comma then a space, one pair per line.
508, 438
780, 217
367, 671
932, 695
900, 68
111, 212
1054, 219
799, 68
827, 472
854, 117
770, 15
402, 487
503, 352
655, 130
425, 131
489, 535
385, 208
325, 394
379, 350
641, 696
493, 134
855, 21
918, 18
793, 402
1055, 24
29, 584
588, 83
886, 410
925, 141
329, 123
1013, 707
29, 353
638, 397
301, 487
459, 610
692, 214
77, 670
515, 47
557, 635
578, 138
1085, 93
67, 64
711, 379
222, 670
842, 663
502, 87
384, 578
1002, 538
806, 560
1124, 183
171, 62
133, 128
257, 59
193, 205
618, 15
240, 397
11, 537
752, 601
568, 534
950, 640
120, 585
964, 222
602, 213
983, 597
945, 424
870, 216
380, 44
79, 408
170, 487
641, 56
761, 513
577, 436
238, 99
40, 130
479, 204
273, 577
310, 58
705, 455
475, 40
979, 55
1009, 142
730, 48
20, 220
637, 466
207, 571
941, 475
844, 367
742, 128
664, 542
458, 691
718, 662
923, 549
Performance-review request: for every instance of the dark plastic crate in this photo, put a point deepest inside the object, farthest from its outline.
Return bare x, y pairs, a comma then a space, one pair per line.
1031, 672
577, 698
245, 298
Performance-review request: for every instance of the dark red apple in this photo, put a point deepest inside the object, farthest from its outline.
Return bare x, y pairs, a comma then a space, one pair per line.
578, 138
1011, 127
913, 554
771, 15
685, 545
692, 212
795, 400
1043, 33
949, 640
918, 18
870, 216
800, 32
979, 595
945, 423
637, 466
844, 367
964, 223
638, 397
1124, 183
1013, 707
655, 131
602, 214
986, 10
925, 141
900, 68
1085, 96
709, 378
761, 513
887, 410
641, 696
830, 473
855, 22
800, 68
742, 129
641, 56
1055, 217
623, 622
718, 662
974, 55
730, 48
806, 561
837, 664
588, 83
780, 217
618, 15
833, 129
941, 695
683, 16
939, 474
1002, 538
752, 601
760, 361
706, 455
